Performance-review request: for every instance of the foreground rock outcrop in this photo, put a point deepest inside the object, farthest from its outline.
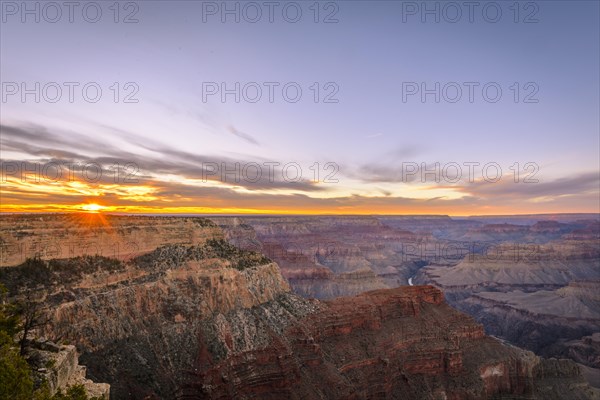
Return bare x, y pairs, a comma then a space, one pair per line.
58, 366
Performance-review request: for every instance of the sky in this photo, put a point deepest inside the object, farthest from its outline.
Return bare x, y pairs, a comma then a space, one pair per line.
348, 107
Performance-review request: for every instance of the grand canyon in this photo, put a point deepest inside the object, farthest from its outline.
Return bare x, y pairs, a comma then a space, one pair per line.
340, 307
273, 200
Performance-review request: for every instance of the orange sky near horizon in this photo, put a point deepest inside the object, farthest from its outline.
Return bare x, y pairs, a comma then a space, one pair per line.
383, 210
181, 194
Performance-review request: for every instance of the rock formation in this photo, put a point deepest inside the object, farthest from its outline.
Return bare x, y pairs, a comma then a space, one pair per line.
328, 257
542, 297
58, 366
201, 319
517, 275
51, 236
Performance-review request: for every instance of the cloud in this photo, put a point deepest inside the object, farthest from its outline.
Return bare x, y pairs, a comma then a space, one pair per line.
393, 172
193, 182
45, 146
579, 184
242, 135
212, 119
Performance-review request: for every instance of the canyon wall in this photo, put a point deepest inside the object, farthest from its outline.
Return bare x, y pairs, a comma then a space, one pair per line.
50, 236
195, 319
327, 257
484, 265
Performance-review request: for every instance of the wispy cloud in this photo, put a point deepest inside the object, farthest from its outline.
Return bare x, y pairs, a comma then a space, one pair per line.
42, 144
242, 135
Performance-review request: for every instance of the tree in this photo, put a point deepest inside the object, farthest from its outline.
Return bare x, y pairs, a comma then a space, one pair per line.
9, 315
15, 379
33, 315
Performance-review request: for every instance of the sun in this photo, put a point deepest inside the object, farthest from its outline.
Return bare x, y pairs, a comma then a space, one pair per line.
93, 208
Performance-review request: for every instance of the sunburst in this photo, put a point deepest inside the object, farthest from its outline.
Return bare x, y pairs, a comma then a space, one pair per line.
92, 208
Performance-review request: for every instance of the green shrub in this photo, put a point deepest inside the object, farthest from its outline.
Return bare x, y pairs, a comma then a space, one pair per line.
15, 374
